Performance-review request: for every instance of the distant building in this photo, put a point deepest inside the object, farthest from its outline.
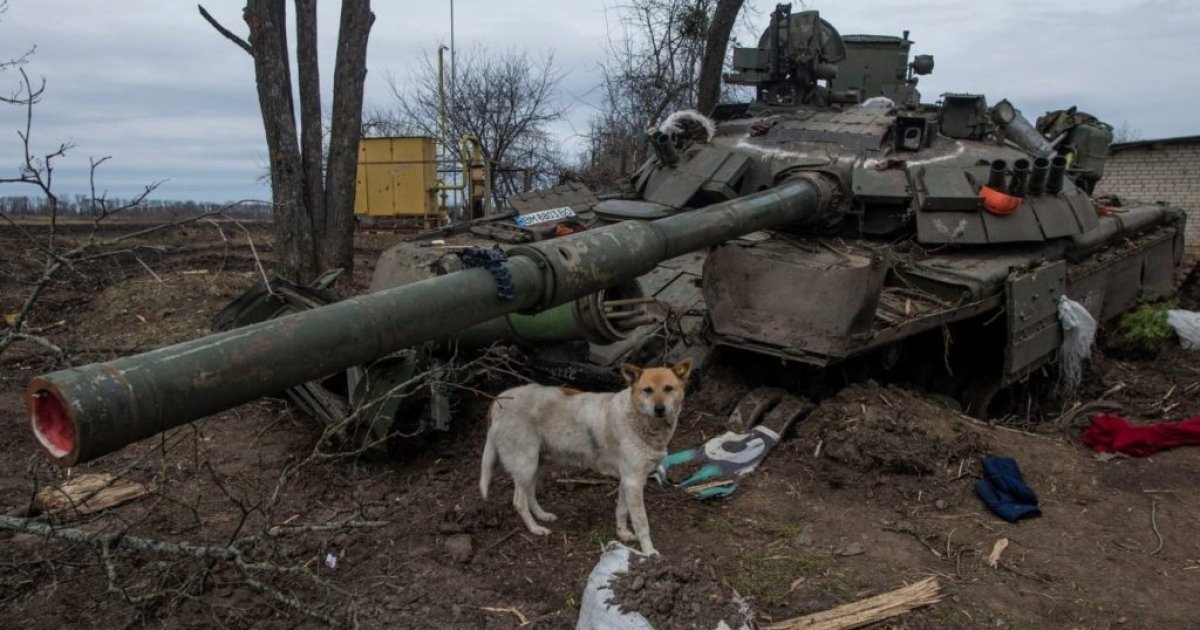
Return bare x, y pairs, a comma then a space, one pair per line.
1158, 170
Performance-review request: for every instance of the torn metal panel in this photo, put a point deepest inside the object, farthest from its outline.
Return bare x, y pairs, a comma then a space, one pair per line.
1031, 306
821, 298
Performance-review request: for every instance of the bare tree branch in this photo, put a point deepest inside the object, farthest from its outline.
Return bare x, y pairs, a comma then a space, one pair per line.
105, 543
653, 63
506, 100
241, 43
16, 98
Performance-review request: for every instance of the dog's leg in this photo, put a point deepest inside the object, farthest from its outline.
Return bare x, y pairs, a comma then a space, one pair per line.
634, 487
623, 516
522, 491
538, 512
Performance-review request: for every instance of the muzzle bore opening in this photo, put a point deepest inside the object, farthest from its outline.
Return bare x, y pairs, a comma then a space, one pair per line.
51, 423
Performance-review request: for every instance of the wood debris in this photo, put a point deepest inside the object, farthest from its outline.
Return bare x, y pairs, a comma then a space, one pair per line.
993, 559
86, 494
867, 611
511, 610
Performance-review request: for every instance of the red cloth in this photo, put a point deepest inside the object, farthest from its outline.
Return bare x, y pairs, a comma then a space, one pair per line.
1114, 433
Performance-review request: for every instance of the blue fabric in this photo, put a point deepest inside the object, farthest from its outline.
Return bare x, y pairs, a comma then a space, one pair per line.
1004, 490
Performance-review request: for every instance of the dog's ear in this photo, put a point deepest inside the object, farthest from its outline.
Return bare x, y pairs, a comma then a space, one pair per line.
631, 373
683, 368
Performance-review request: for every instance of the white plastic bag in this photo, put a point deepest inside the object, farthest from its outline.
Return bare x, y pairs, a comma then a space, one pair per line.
1187, 327
595, 613
1079, 335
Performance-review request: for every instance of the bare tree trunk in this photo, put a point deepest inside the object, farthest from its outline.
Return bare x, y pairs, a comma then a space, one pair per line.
349, 74
295, 255
314, 207
311, 151
719, 29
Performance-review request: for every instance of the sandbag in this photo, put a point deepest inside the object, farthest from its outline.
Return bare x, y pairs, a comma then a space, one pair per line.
595, 613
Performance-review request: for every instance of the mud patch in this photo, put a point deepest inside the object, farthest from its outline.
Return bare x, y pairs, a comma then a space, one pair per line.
871, 429
674, 595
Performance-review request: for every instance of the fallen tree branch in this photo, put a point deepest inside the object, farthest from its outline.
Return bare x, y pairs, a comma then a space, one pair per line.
1154, 525
116, 541
509, 610
105, 543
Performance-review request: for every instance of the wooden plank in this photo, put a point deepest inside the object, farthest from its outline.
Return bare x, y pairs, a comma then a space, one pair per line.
86, 494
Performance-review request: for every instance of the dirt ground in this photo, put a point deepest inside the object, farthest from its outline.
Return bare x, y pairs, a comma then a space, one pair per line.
874, 490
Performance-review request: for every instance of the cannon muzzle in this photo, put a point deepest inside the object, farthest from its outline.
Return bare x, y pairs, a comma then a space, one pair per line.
81, 413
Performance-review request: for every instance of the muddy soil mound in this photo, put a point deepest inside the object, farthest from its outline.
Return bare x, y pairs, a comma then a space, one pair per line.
674, 595
871, 429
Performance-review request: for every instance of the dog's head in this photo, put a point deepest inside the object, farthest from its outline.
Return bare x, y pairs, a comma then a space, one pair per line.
657, 392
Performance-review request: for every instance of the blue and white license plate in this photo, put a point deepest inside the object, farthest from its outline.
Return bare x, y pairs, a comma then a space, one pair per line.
544, 216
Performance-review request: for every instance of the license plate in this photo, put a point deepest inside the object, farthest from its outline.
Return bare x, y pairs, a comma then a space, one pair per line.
543, 216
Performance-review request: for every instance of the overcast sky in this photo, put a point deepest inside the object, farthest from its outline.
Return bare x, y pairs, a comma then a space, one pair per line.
151, 84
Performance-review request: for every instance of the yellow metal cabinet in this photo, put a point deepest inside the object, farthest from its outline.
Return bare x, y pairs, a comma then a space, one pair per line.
397, 177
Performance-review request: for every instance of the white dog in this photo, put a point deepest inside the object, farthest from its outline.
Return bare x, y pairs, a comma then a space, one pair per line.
622, 435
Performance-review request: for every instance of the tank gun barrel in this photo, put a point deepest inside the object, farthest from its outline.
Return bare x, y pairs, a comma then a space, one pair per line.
81, 413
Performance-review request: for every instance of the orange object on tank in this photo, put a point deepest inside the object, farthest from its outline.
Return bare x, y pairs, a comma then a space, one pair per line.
998, 202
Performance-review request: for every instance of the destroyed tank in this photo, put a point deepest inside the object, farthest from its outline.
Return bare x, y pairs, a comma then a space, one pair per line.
835, 223
949, 235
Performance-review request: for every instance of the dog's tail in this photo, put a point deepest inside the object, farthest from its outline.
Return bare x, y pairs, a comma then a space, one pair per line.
485, 469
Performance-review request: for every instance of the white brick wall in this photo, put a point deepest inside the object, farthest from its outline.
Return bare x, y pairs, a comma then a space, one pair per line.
1167, 172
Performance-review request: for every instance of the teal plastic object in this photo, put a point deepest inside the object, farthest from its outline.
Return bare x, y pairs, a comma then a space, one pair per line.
721, 462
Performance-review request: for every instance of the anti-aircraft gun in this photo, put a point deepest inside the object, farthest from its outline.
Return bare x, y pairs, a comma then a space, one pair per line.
834, 222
